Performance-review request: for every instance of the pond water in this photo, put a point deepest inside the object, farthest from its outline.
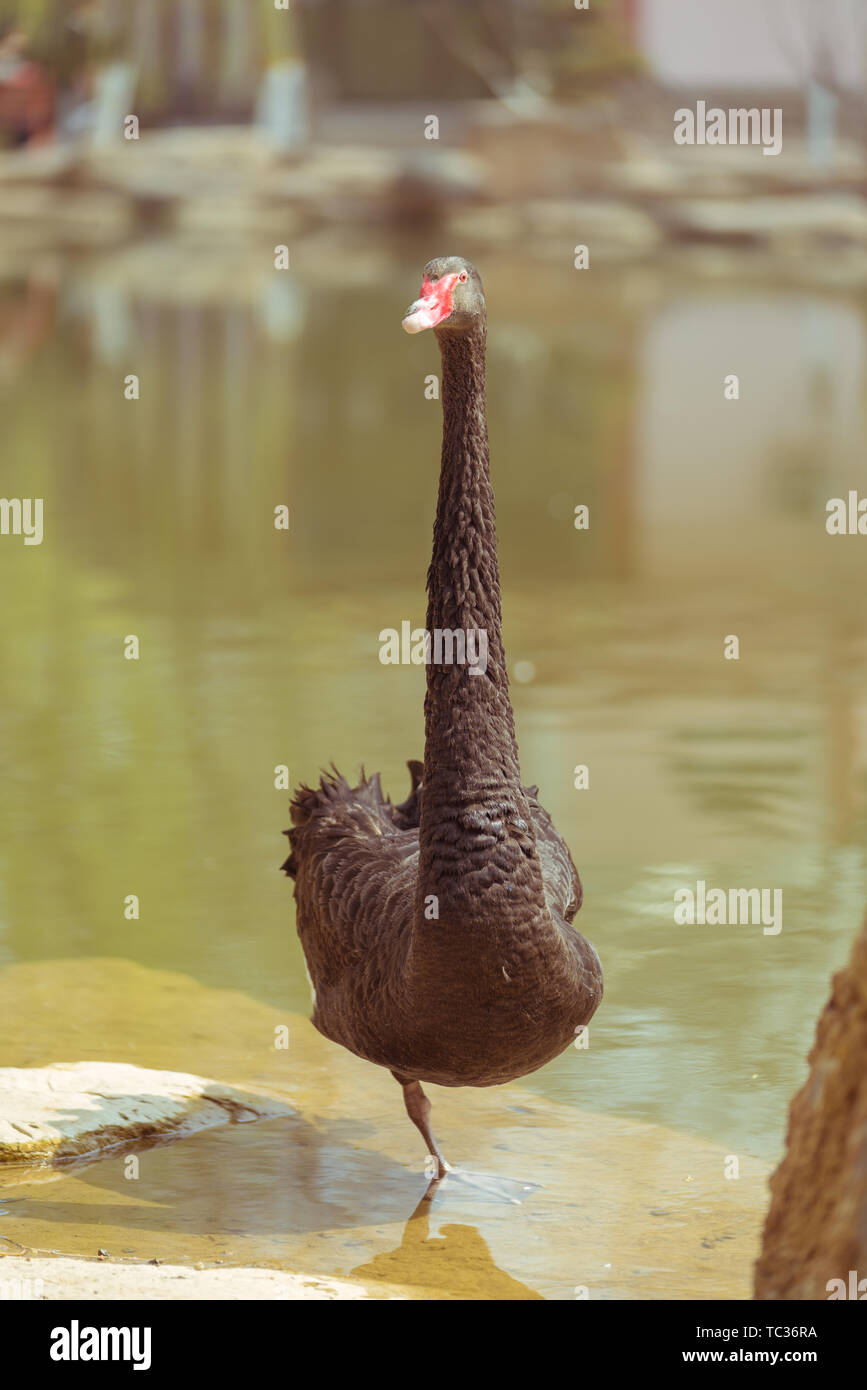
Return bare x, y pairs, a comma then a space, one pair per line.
259, 648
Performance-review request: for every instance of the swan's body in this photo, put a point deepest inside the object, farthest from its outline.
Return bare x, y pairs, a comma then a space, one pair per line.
437, 932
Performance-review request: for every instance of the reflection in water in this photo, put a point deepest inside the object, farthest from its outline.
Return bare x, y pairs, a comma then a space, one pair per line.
457, 1260
624, 1209
259, 647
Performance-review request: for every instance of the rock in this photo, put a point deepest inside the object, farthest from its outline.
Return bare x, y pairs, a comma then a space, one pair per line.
654, 1212
645, 171
541, 158
431, 183
816, 1228
495, 224
822, 218
43, 164
181, 162
241, 217
76, 1108
23, 1278
53, 215
611, 230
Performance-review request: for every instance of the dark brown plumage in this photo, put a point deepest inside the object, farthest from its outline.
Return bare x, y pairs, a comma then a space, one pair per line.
497, 982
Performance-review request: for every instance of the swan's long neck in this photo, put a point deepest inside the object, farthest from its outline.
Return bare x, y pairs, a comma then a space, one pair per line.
478, 855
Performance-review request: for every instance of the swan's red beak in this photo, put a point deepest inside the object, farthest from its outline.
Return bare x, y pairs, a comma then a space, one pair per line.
432, 306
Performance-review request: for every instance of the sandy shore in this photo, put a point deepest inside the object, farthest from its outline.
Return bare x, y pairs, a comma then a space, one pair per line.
32, 1277
625, 1209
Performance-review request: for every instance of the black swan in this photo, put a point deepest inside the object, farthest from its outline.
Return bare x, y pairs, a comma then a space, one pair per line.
437, 932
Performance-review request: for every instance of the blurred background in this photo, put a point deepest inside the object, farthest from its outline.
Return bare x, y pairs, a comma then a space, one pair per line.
155, 256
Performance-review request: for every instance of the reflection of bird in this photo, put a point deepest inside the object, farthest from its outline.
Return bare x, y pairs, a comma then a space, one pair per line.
437, 932
455, 1263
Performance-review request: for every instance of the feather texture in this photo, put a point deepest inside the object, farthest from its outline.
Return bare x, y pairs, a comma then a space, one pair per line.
437, 932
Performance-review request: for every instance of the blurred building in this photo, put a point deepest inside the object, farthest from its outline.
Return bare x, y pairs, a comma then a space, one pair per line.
762, 43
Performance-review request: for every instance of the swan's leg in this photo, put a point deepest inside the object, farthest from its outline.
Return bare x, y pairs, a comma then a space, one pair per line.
499, 1189
418, 1109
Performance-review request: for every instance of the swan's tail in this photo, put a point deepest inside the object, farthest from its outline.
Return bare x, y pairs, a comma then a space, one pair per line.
334, 793
308, 802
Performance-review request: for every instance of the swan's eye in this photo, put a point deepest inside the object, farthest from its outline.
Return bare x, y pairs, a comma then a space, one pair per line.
463, 277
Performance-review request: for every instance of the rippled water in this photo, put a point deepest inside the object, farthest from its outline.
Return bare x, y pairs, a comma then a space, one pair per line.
259, 647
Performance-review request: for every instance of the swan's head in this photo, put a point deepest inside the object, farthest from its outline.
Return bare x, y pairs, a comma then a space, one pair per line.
451, 298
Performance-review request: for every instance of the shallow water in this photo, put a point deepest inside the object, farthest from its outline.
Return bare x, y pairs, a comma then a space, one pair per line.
259, 648
624, 1209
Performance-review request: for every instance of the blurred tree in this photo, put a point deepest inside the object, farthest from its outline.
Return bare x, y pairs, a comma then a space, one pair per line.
283, 101
814, 36
201, 58
528, 52
210, 58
